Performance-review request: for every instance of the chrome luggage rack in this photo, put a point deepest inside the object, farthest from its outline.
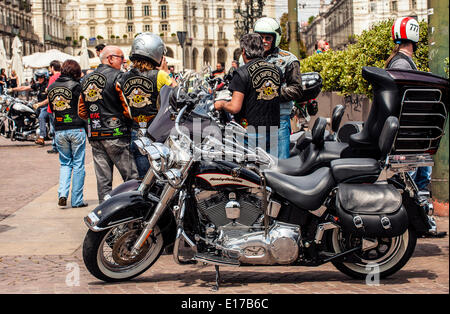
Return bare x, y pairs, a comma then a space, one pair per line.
422, 121
409, 162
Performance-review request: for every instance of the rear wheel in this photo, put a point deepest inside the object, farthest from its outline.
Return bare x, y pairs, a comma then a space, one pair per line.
107, 254
388, 257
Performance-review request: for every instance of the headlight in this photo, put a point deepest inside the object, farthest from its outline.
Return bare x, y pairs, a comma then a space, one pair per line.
179, 150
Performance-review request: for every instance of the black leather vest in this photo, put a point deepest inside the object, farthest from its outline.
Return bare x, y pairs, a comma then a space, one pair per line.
106, 119
261, 106
63, 97
140, 92
41, 90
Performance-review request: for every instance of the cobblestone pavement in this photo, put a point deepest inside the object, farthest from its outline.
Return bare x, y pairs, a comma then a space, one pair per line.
427, 272
26, 168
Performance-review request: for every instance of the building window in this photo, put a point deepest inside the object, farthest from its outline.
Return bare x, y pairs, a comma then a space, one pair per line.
109, 12
163, 12
413, 4
372, 6
220, 13
164, 27
147, 28
92, 32
91, 13
394, 6
129, 12
130, 28
146, 10
109, 29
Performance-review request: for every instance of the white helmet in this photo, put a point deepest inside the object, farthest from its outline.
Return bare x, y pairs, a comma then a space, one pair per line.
405, 29
267, 25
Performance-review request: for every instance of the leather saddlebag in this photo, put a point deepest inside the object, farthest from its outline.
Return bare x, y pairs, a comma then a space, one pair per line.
371, 210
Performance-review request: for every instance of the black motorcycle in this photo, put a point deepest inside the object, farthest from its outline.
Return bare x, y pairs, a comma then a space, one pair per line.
243, 212
18, 119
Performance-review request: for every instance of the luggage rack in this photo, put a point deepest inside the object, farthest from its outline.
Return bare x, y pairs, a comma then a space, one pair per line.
409, 162
422, 121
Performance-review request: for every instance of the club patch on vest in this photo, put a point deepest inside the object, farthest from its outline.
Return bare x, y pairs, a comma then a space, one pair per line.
93, 87
138, 98
138, 92
60, 98
265, 79
267, 91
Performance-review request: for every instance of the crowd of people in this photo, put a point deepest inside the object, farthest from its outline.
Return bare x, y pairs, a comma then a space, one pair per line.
109, 105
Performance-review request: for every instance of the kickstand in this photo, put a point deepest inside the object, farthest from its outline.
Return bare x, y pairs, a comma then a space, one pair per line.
216, 287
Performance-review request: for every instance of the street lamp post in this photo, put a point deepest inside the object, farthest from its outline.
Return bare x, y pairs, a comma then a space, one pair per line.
182, 39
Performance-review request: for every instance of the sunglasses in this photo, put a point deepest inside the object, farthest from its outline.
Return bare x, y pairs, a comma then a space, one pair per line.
117, 56
267, 38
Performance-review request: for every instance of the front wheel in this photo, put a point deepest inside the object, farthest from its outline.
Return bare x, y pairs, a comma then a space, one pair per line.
388, 257
107, 254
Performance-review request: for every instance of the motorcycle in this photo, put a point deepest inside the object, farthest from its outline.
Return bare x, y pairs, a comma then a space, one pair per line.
244, 212
18, 120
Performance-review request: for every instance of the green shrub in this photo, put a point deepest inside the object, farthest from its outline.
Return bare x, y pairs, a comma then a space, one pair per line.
341, 70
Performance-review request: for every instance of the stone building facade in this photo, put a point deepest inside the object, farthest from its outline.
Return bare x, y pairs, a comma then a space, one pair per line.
209, 26
16, 20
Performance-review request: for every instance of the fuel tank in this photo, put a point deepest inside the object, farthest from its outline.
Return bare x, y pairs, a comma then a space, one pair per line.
223, 175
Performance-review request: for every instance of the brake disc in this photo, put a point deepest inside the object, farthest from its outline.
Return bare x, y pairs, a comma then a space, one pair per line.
121, 251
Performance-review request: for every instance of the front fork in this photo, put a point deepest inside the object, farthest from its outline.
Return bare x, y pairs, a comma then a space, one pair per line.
167, 195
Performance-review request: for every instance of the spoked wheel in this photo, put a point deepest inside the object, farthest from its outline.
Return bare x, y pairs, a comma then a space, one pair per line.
388, 257
107, 254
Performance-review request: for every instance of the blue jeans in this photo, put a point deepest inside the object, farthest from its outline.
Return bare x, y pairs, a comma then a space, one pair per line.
284, 134
71, 145
142, 162
43, 117
422, 177
266, 141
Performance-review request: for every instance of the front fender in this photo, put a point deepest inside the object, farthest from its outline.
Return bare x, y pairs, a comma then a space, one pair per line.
123, 207
131, 185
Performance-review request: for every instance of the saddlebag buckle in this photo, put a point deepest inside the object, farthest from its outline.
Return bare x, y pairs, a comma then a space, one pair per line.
357, 220
385, 222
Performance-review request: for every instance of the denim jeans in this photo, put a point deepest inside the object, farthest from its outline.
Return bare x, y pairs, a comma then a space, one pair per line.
71, 145
422, 177
284, 134
107, 154
44, 115
265, 140
142, 162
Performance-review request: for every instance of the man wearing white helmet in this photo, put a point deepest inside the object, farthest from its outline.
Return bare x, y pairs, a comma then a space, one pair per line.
405, 33
270, 31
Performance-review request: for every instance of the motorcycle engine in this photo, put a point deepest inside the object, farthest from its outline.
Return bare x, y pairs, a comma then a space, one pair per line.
212, 206
235, 224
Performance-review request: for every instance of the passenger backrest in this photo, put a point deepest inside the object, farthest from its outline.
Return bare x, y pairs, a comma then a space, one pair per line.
386, 102
387, 136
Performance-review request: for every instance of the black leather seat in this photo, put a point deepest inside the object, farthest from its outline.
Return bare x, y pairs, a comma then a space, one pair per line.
353, 168
307, 192
311, 158
345, 169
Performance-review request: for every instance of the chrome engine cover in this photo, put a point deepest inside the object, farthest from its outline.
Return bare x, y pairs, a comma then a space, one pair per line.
280, 246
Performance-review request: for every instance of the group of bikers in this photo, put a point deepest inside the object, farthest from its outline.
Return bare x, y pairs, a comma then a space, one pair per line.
109, 106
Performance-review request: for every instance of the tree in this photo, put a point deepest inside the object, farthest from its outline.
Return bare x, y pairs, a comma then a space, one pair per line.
284, 43
341, 71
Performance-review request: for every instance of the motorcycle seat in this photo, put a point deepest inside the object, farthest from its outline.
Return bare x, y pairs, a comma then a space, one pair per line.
307, 192
311, 158
355, 168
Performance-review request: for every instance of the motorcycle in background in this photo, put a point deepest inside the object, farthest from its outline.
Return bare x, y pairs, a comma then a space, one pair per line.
18, 120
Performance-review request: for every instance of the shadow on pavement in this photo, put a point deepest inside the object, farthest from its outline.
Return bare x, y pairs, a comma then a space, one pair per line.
238, 279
